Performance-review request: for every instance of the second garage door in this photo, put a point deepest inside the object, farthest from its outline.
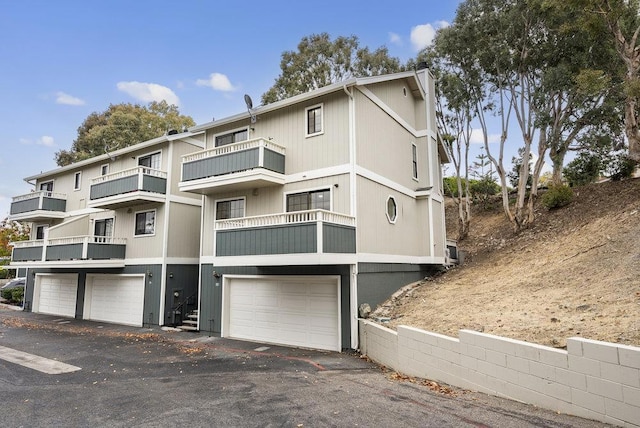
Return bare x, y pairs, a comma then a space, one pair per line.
115, 298
298, 311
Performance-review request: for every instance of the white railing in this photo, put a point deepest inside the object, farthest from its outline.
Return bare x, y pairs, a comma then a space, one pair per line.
92, 239
286, 218
27, 244
139, 171
38, 194
233, 148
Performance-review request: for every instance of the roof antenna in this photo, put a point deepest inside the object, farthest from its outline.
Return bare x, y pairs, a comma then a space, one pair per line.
249, 103
107, 149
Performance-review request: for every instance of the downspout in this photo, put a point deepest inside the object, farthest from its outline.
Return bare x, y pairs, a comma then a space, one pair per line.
353, 274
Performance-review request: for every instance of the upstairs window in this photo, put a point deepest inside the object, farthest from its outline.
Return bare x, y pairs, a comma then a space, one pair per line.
47, 186
104, 169
77, 181
314, 120
152, 160
145, 223
233, 208
232, 137
103, 229
414, 160
315, 200
40, 230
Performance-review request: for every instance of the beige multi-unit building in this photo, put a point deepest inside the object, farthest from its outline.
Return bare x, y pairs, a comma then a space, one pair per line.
291, 215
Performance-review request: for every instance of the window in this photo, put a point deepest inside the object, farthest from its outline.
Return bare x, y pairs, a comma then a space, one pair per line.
392, 209
103, 229
152, 160
40, 231
414, 161
232, 137
314, 120
77, 180
315, 200
233, 208
145, 223
47, 186
104, 169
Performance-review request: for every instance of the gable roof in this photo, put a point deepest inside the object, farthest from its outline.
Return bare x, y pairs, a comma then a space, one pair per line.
411, 76
185, 136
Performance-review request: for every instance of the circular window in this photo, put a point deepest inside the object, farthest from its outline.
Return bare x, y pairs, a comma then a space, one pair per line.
392, 209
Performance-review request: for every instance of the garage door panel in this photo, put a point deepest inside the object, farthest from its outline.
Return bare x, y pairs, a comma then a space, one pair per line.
117, 299
298, 311
57, 294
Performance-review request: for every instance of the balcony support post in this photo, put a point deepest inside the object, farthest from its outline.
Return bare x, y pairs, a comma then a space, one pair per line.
85, 247
261, 154
319, 236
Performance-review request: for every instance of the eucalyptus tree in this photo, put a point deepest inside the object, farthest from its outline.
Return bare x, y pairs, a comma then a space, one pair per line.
320, 61
122, 125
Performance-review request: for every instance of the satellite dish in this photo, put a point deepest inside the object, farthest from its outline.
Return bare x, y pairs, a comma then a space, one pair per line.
249, 103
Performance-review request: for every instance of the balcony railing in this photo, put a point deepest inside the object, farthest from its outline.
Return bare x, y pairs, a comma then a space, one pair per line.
315, 231
88, 247
38, 201
120, 184
233, 158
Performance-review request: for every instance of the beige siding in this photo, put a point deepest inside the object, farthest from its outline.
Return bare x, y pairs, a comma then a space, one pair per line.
180, 149
393, 95
77, 226
184, 230
385, 147
408, 236
286, 127
140, 246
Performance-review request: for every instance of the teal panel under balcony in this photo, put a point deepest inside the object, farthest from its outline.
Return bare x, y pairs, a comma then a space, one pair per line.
128, 184
338, 238
105, 251
33, 204
232, 162
64, 252
27, 254
287, 239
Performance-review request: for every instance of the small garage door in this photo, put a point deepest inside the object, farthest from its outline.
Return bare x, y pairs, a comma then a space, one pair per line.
56, 295
115, 298
295, 311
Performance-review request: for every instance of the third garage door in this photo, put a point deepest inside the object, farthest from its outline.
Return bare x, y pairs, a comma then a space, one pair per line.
115, 298
296, 311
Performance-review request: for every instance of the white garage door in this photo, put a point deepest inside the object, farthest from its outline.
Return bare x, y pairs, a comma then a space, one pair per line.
297, 311
115, 298
56, 295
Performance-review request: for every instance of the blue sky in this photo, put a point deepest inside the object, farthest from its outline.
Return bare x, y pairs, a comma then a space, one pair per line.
63, 60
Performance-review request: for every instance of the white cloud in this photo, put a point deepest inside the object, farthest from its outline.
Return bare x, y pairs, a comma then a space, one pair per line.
422, 35
45, 140
395, 39
148, 92
70, 100
217, 81
477, 137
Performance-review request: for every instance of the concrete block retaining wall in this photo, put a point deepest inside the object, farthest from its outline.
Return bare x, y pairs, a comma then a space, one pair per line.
591, 379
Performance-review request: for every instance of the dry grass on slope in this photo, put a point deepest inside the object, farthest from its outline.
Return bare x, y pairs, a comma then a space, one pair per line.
576, 272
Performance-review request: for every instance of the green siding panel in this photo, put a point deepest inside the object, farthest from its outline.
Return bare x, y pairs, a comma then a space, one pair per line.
27, 254
64, 252
54, 204
154, 184
33, 204
290, 239
274, 161
106, 251
128, 184
338, 239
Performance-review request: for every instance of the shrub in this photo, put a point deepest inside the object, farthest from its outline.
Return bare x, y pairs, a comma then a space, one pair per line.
621, 167
557, 196
584, 169
6, 294
17, 294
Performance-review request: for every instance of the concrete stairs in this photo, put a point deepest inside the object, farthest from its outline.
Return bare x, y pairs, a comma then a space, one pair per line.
190, 323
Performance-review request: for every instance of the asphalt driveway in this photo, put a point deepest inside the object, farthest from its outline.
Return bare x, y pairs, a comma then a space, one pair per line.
147, 377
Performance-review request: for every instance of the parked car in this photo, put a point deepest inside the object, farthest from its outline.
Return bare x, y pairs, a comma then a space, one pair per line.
14, 283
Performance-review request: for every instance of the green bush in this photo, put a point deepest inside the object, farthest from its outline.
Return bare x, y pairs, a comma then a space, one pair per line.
6, 294
557, 196
621, 167
17, 294
584, 169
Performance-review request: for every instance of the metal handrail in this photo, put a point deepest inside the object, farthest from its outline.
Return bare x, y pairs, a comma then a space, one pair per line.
180, 305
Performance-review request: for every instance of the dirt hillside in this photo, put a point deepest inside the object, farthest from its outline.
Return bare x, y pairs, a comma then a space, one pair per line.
576, 272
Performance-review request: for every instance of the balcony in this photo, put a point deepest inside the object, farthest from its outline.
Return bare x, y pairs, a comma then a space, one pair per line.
37, 206
129, 187
75, 251
245, 165
301, 232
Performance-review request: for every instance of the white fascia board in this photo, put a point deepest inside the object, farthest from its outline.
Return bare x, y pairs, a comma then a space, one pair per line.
281, 260
399, 258
363, 81
74, 264
277, 105
105, 157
